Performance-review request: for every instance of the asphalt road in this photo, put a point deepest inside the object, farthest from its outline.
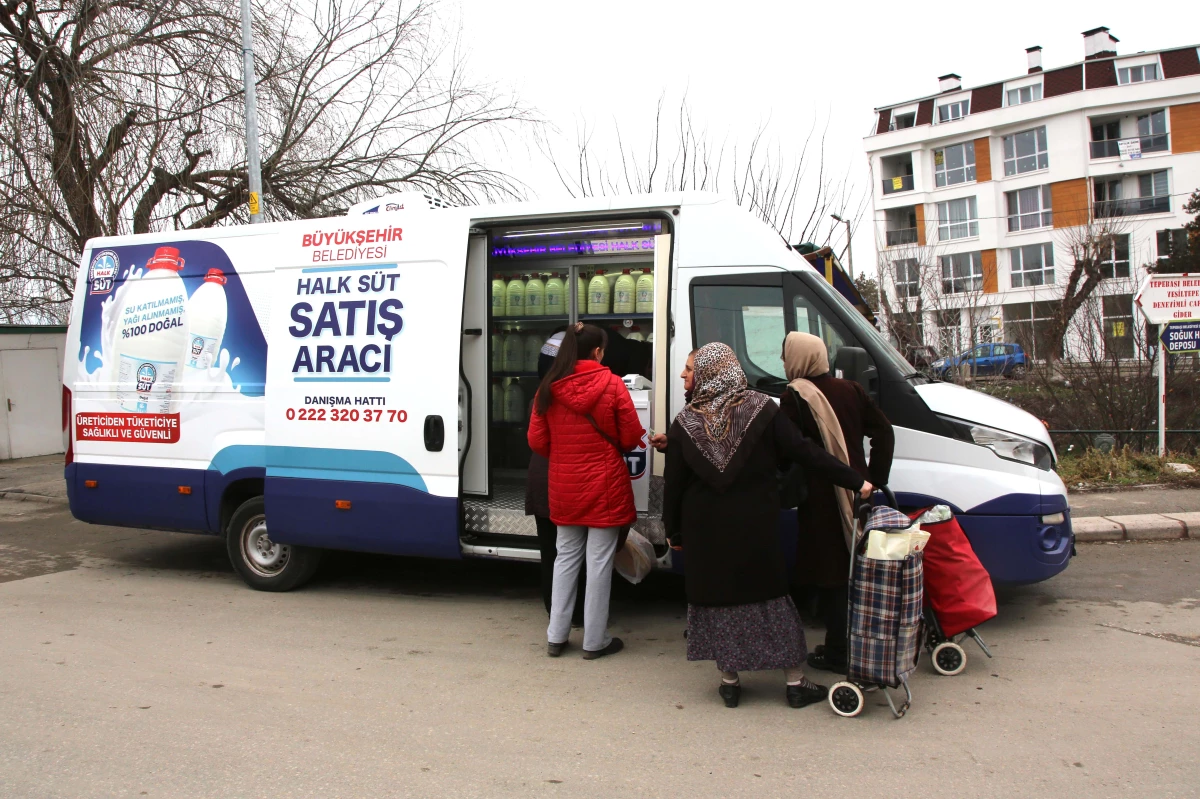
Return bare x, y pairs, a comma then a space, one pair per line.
134, 663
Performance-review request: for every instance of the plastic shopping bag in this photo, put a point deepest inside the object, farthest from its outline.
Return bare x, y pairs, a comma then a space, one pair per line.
635, 560
884, 545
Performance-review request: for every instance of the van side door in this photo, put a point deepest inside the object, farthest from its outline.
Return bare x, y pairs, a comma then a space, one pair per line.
363, 384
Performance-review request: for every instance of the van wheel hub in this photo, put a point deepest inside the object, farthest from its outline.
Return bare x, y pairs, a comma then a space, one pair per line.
263, 555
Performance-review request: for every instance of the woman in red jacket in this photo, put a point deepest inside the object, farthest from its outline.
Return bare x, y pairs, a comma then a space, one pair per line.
584, 421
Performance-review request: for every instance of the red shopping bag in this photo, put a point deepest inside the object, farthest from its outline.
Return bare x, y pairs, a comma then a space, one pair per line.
956, 584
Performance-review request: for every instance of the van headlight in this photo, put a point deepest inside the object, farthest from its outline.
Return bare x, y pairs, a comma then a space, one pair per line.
1009, 446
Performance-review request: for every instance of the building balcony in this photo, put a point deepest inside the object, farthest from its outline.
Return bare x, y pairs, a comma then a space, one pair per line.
901, 236
1111, 148
897, 184
1134, 206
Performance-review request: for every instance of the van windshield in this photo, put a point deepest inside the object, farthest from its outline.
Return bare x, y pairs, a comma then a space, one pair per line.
859, 327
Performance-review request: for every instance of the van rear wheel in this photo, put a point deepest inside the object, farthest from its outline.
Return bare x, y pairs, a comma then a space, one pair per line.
264, 564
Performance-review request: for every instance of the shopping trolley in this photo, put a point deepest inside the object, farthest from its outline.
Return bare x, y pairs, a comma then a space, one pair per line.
885, 626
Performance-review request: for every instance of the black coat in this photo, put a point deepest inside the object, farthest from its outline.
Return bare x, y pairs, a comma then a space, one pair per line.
821, 555
728, 522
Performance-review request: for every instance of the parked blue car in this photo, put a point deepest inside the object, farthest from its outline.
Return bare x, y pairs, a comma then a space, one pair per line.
997, 360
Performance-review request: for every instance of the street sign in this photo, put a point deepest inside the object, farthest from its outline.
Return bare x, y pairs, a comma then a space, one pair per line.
1182, 337
1169, 298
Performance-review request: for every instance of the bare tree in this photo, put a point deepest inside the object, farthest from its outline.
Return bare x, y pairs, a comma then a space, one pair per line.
791, 188
124, 116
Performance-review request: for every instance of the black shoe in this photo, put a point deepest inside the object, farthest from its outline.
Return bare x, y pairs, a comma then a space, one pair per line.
821, 659
730, 693
806, 694
615, 646
554, 650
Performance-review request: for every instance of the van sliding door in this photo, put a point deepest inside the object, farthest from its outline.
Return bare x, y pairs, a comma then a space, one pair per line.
363, 383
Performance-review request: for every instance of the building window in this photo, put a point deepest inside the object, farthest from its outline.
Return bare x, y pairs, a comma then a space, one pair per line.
949, 332
954, 164
1117, 318
1031, 324
1026, 152
1028, 209
1032, 265
1171, 242
1137, 74
1025, 94
902, 121
908, 277
957, 219
1154, 184
1104, 139
953, 111
1114, 257
961, 272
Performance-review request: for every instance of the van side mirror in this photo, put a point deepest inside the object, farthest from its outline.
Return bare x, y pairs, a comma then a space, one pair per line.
855, 364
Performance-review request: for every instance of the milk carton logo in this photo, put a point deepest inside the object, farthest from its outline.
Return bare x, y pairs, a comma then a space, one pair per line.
197, 347
636, 461
145, 378
102, 274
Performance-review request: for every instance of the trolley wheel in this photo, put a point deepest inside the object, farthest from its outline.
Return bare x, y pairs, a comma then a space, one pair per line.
846, 699
949, 658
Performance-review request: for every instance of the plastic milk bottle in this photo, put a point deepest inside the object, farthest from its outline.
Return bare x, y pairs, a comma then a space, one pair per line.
624, 291
514, 352
514, 297
581, 284
154, 334
555, 300
497, 351
207, 314
514, 402
535, 295
533, 350
498, 296
599, 299
497, 401
645, 293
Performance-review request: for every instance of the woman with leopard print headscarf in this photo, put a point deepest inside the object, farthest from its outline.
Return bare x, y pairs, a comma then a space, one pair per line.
722, 507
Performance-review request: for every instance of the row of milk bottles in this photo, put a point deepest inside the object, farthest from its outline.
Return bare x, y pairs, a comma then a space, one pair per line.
148, 366
545, 295
508, 401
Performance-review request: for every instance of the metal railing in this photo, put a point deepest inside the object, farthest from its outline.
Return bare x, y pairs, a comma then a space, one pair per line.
906, 235
899, 183
1111, 148
1134, 206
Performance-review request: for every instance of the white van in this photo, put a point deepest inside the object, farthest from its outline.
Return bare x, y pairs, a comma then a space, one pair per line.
388, 412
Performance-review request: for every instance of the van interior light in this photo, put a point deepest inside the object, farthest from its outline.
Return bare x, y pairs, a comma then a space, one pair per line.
616, 228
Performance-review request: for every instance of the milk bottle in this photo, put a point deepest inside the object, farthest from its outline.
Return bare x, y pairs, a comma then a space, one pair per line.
514, 297
535, 293
623, 293
207, 315
514, 352
533, 350
581, 284
555, 304
514, 402
497, 351
154, 334
497, 401
498, 296
645, 293
599, 294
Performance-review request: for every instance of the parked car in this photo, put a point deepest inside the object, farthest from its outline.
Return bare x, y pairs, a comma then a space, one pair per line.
996, 360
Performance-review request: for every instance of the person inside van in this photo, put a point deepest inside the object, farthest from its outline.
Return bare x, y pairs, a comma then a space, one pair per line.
838, 414
584, 421
721, 505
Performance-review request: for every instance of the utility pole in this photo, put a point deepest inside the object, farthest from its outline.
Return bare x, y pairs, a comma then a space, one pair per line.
253, 167
849, 251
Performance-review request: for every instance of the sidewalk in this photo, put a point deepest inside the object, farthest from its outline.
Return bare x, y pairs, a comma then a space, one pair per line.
1096, 515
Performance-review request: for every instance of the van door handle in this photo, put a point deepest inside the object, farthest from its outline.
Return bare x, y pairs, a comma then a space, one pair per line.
435, 433
10, 405
473, 331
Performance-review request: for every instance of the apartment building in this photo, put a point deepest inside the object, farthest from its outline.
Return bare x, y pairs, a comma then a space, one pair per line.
982, 195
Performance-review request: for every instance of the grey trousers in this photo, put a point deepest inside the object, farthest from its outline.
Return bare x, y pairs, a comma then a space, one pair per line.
599, 544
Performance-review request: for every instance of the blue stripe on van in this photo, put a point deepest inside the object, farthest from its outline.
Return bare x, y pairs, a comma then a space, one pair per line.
316, 463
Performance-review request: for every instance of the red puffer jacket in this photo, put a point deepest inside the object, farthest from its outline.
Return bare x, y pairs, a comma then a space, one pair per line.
589, 480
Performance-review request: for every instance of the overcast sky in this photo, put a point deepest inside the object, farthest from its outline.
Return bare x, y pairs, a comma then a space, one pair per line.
786, 63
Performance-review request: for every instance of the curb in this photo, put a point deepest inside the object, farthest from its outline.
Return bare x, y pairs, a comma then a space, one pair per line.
21, 496
1139, 527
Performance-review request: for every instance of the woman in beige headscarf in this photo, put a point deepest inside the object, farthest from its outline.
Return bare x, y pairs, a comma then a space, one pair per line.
838, 414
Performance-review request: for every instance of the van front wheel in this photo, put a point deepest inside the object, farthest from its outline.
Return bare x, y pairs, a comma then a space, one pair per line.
264, 564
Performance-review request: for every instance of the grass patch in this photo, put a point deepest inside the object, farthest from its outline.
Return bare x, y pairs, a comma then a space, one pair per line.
1093, 468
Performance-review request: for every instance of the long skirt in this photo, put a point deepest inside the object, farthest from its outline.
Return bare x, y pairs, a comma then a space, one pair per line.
752, 637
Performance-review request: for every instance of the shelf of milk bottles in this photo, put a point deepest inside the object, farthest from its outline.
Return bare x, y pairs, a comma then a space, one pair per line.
558, 320
614, 317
